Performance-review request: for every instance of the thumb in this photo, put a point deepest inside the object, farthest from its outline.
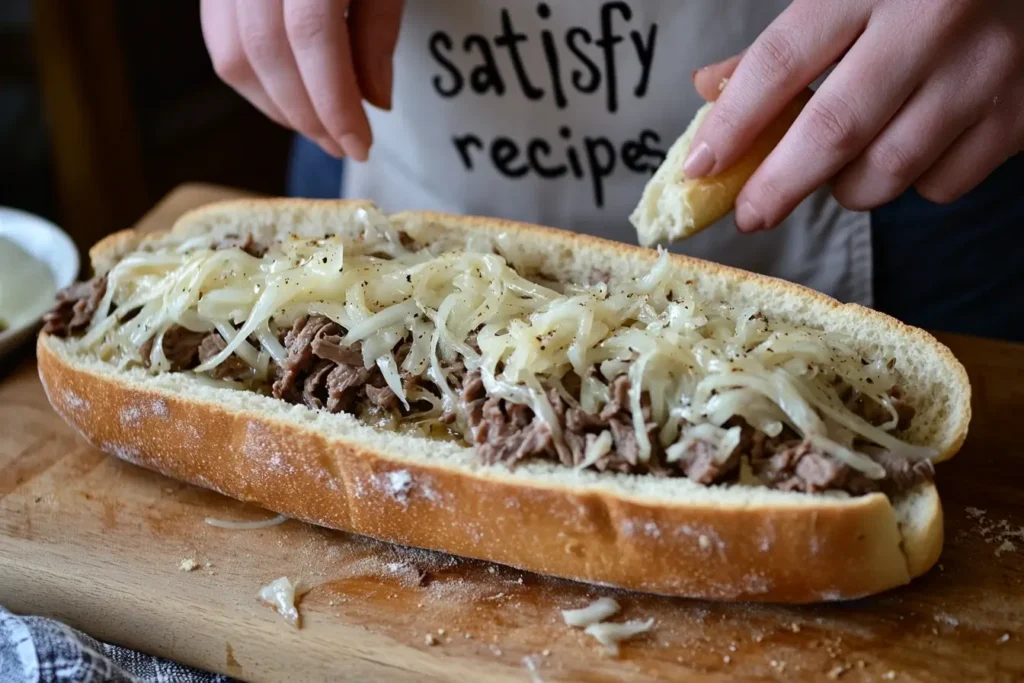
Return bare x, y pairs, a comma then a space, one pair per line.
373, 32
708, 80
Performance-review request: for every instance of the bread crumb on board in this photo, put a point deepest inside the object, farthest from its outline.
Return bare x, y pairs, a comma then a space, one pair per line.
188, 564
1005, 638
429, 640
999, 532
889, 675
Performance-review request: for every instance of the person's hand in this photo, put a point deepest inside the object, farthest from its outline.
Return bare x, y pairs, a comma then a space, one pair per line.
308, 64
926, 93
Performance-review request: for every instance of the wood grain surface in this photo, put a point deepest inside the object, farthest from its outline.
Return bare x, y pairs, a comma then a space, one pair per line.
99, 543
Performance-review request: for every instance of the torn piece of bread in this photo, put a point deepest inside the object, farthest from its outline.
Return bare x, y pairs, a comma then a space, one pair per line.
674, 207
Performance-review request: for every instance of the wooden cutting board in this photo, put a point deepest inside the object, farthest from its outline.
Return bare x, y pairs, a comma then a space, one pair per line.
99, 543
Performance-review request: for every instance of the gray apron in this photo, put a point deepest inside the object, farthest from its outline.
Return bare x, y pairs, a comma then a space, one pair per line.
558, 113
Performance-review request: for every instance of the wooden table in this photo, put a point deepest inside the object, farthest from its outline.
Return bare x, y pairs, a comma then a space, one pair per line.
98, 543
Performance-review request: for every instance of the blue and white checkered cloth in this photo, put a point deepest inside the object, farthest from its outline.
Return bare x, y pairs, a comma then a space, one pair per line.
39, 650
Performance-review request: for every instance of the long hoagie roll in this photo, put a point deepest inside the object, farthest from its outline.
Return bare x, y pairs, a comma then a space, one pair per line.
518, 394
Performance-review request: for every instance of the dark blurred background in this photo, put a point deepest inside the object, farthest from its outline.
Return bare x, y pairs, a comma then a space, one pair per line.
105, 105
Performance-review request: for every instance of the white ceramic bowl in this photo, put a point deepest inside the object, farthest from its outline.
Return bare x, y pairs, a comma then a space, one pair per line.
52, 247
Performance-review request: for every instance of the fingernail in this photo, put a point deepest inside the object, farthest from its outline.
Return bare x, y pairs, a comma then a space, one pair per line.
354, 146
748, 219
693, 76
700, 162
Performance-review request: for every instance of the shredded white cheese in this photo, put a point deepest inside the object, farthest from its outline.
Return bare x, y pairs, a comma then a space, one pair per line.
595, 612
280, 594
610, 634
701, 362
258, 524
531, 668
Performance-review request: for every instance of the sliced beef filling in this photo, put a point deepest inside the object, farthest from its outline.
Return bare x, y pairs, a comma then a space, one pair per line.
581, 429
329, 347
323, 374
801, 467
75, 308
185, 349
798, 466
900, 473
701, 464
181, 347
505, 432
508, 432
289, 382
233, 368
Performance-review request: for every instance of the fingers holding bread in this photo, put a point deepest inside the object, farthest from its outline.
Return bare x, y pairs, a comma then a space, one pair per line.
674, 207
709, 81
